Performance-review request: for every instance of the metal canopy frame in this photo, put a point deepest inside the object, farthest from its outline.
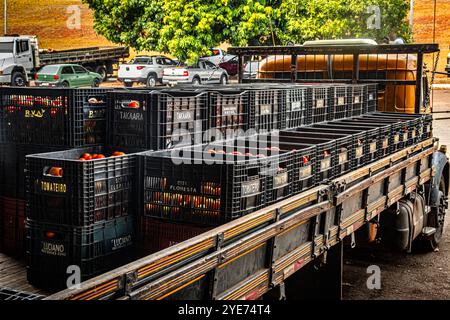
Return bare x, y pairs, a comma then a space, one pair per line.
358, 51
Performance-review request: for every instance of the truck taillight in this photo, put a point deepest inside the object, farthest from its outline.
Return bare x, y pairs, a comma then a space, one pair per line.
140, 67
186, 73
36, 76
56, 77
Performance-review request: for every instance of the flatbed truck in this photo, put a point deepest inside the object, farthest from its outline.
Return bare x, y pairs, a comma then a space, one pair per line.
21, 58
294, 249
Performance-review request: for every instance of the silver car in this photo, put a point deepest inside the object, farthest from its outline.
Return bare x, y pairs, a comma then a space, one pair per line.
203, 72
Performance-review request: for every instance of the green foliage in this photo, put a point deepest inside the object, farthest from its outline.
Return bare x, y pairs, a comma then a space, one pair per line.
187, 29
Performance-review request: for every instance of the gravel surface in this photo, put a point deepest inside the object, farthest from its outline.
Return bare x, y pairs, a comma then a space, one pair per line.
417, 276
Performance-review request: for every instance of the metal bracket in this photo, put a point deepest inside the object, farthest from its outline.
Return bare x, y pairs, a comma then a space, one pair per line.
127, 282
271, 249
213, 273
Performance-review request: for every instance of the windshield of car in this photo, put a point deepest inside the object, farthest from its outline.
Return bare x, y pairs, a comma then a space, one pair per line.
6, 47
142, 61
49, 70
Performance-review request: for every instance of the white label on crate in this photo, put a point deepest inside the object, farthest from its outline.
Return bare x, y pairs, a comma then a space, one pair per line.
53, 249
372, 147
359, 151
405, 136
343, 157
296, 106
370, 96
131, 116
55, 187
97, 114
183, 116
230, 111
265, 109
250, 188
357, 99
341, 101
320, 103
305, 172
280, 180
325, 164
385, 143
396, 138
34, 113
121, 242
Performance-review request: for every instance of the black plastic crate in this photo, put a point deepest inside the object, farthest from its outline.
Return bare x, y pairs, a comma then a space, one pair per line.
359, 137
371, 98
53, 117
412, 124
159, 119
180, 186
427, 128
298, 106
358, 99
321, 102
267, 111
341, 102
12, 166
155, 235
52, 248
326, 154
385, 133
65, 190
344, 147
229, 112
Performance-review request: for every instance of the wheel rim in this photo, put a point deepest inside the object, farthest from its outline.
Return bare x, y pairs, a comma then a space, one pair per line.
196, 82
440, 219
151, 82
224, 80
19, 81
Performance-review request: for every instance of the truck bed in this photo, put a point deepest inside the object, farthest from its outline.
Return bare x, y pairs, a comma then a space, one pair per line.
231, 261
84, 55
13, 280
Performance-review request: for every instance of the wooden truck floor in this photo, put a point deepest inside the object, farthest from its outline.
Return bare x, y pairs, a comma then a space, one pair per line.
13, 276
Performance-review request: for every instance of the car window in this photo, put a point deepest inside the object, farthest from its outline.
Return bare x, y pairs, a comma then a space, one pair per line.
79, 69
142, 61
210, 65
67, 70
49, 69
169, 62
159, 61
22, 46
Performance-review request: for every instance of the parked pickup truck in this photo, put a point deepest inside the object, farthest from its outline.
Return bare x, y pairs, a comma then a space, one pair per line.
202, 72
20, 59
218, 56
144, 69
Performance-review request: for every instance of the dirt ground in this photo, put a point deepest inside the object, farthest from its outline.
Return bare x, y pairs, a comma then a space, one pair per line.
417, 276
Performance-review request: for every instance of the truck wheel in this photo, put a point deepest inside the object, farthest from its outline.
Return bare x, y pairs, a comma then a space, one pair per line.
18, 79
101, 70
196, 81
65, 84
436, 219
151, 81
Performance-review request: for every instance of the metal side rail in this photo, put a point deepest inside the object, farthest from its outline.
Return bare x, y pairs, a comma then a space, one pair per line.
247, 257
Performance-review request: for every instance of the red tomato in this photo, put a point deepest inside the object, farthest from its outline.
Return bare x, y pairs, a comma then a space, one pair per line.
86, 156
56, 171
98, 156
118, 154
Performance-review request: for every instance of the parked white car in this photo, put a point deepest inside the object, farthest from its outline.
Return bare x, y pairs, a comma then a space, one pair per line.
203, 72
144, 69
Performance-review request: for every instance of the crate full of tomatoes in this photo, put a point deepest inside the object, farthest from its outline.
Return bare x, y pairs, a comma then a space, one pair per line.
79, 187
53, 117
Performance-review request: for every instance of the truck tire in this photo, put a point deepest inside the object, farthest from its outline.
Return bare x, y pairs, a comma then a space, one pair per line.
196, 81
436, 219
65, 84
101, 70
18, 79
151, 81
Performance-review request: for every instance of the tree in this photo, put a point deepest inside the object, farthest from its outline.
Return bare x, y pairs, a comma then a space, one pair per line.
187, 29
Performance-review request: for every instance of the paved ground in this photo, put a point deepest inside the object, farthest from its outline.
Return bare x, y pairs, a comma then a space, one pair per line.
405, 276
